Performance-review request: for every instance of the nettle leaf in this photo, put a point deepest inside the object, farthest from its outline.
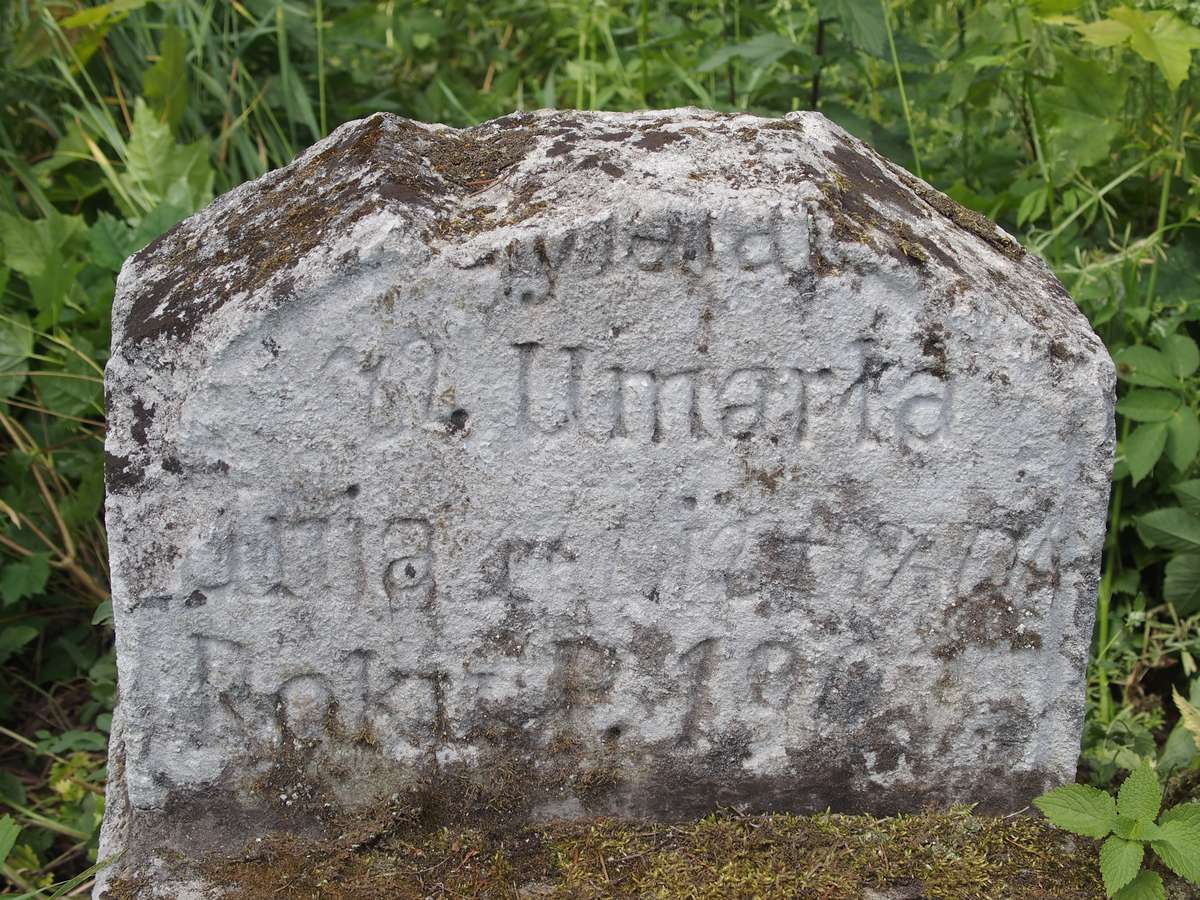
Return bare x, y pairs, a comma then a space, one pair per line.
1178, 846
1081, 125
1120, 861
1183, 354
1145, 366
1184, 812
1149, 405
1178, 751
862, 22
1140, 796
1188, 493
1080, 809
1104, 32
1183, 438
1143, 447
1162, 38
1170, 528
1181, 584
1136, 829
1147, 886
9, 830
1127, 582
24, 578
761, 50
14, 638
16, 346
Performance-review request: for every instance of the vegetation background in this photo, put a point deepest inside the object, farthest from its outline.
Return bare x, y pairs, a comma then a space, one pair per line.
1073, 124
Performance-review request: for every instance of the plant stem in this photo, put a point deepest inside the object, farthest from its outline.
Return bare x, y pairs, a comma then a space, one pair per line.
814, 101
1164, 198
321, 66
912, 137
1112, 550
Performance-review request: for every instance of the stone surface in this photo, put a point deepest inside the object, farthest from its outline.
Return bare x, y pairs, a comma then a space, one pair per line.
593, 463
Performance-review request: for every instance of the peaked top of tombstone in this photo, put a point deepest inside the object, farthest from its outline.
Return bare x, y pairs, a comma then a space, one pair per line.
386, 184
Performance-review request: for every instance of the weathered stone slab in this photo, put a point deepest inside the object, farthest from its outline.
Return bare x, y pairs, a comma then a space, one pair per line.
593, 463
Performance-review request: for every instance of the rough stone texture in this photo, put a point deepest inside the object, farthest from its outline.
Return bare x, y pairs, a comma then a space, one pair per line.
593, 463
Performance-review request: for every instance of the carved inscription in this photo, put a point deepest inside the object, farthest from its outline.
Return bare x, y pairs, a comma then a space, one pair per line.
571, 389
681, 240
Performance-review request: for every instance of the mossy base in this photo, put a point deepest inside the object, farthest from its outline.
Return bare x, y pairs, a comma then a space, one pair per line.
953, 855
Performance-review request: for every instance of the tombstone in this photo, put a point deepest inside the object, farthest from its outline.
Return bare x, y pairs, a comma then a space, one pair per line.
592, 464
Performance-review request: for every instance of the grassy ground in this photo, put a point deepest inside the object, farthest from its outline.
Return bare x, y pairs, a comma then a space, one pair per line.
947, 855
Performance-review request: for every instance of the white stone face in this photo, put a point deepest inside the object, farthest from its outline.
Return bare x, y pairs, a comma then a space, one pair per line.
594, 463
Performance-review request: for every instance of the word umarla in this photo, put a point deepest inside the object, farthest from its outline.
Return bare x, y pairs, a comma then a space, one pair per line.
591, 463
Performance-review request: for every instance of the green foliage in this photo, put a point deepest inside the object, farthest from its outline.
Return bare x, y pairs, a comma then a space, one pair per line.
1129, 825
1074, 125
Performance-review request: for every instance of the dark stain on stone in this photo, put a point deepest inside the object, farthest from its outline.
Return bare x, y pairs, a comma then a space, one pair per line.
1061, 352
173, 465
411, 192
584, 671
656, 140
158, 602
511, 636
612, 136
121, 474
195, 599
933, 348
143, 417
984, 618
848, 695
650, 646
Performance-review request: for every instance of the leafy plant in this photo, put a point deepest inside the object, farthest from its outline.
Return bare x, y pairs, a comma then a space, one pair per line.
1128, 825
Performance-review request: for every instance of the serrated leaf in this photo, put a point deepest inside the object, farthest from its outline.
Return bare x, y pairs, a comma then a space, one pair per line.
1141, 795
16, 346
1120, 861
1162, 38
1188, 714
1183, 438
1183, 354
1147, 886
24, 578
1149, 405
761, 50
1188, 493
1170, 528
1178, 751
1181, 584
1080, 809
1143, 448
9, 830
1178, 846
1184, 812
1127, 582
1145, 366
861, 21
14, 638
1104, 32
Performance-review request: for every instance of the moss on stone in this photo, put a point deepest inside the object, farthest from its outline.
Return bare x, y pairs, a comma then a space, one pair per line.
949, 854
